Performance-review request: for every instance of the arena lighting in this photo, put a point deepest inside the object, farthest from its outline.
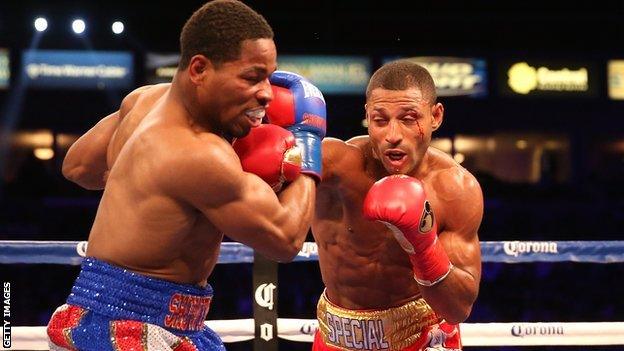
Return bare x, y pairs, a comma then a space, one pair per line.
10, 112
117, 27
521, 144
35, 139
44, 153
444, 144
466, 144
78, 26
41, 24
459, 157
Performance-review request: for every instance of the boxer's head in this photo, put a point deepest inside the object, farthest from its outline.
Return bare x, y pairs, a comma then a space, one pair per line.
402, 112
227, 49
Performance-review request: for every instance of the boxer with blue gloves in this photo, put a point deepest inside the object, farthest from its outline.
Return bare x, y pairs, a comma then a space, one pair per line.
299, 106
174, 185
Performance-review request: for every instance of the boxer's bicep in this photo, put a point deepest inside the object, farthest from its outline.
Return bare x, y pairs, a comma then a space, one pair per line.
240, 204
251, 215
256, 217
85, 161
459, 237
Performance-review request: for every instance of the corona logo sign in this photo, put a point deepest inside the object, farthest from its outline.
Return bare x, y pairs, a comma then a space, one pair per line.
524, 79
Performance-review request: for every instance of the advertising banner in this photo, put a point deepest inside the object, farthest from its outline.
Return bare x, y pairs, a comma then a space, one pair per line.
331, 74
5, 69
547, 78
616, 79
454, 76
78, 69
160, 68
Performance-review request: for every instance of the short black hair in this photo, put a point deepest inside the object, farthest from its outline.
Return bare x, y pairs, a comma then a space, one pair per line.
401, 75
217, 29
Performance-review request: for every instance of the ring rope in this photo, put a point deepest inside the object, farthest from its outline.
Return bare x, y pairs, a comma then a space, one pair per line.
71, 252
473, 334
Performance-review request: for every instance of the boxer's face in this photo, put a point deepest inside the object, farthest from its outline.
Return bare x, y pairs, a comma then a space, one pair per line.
237, 92
400, 123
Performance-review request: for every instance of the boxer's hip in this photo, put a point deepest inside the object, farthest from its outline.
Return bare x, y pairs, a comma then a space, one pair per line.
110, 307
411, 326
122, 294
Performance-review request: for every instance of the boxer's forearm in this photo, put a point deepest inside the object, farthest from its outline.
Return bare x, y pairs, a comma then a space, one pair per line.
299, 199
453, 297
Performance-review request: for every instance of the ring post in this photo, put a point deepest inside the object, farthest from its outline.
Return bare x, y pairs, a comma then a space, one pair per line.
265, 303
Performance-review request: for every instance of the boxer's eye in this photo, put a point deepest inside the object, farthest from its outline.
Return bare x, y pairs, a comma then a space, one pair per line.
253, 80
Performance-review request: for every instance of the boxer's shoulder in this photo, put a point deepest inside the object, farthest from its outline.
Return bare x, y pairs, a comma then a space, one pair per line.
339, 155
203, 170
448, 178
360, 141
336, 150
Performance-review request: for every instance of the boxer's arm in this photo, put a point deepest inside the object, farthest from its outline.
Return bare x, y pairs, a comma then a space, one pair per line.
85, 163
360, 141
331, 151
454, 296
338, 155
242, 205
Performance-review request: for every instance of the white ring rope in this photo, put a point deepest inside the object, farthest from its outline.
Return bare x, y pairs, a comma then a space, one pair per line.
473, 334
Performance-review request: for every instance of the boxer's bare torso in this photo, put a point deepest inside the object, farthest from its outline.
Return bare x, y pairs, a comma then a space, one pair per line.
139, 225
362, 264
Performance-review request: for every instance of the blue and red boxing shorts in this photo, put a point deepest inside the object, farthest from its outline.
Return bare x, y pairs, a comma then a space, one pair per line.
114, 309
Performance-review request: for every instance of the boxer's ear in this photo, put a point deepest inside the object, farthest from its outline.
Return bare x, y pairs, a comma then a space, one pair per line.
437, 116
200, 67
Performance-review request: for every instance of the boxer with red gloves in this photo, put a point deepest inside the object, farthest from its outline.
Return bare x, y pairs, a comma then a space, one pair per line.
396, 226
399, 202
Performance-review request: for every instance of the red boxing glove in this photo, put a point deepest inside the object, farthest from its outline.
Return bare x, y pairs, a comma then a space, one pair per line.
271, 153
399, 201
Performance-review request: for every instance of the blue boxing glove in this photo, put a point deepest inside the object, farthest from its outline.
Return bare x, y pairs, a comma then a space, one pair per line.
299, 106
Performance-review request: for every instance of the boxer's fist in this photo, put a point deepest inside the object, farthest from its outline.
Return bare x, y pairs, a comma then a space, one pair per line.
299, 106
270, 152
400, 202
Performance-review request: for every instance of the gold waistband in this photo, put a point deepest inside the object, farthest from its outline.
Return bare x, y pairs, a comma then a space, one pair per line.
394, 328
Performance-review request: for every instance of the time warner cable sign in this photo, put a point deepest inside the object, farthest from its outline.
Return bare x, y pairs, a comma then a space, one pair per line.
331, 74
454, 76
77, 69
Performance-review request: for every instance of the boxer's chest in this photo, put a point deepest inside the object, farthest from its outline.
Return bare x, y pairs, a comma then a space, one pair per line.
353, 190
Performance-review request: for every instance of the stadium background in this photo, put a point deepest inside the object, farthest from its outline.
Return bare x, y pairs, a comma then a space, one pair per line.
555, 172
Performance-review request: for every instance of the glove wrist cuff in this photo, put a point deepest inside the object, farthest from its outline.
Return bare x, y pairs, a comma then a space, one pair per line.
432, 265
311, 159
